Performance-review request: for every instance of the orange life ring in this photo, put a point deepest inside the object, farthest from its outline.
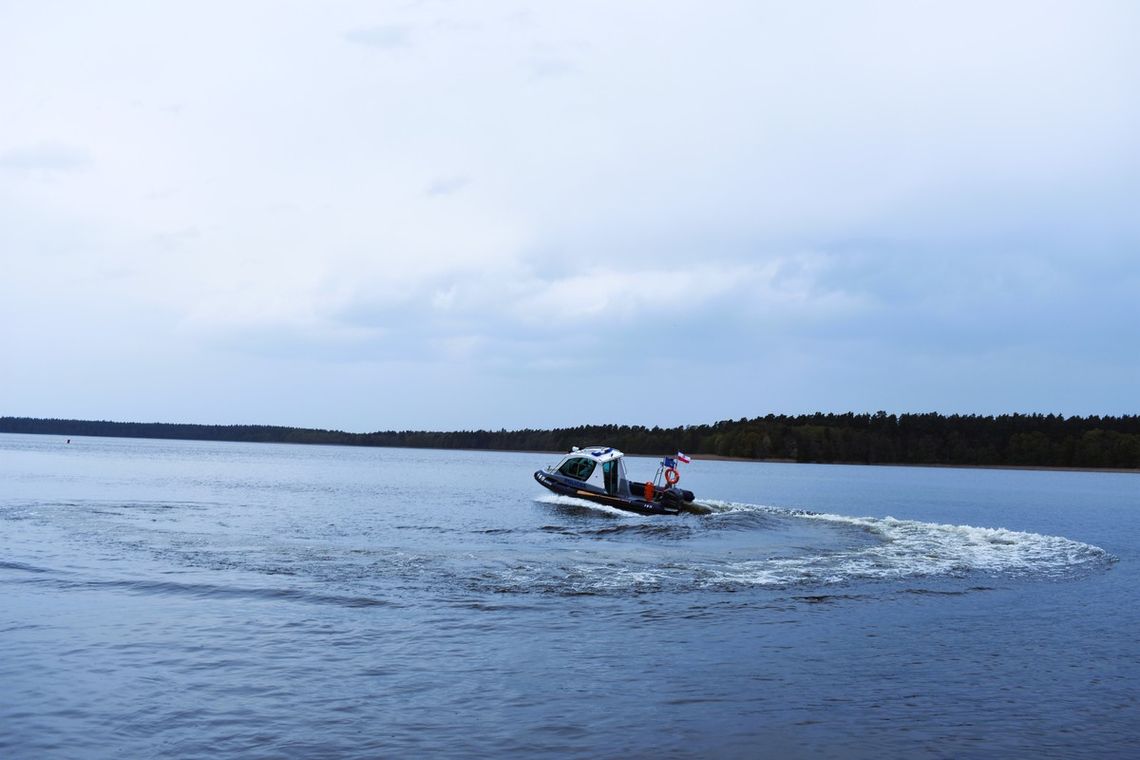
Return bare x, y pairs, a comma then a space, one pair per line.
672, 477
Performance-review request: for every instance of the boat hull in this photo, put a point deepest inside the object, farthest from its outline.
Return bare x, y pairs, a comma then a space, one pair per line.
669, 501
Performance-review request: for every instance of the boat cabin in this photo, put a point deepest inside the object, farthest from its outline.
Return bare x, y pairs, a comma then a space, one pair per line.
599, 467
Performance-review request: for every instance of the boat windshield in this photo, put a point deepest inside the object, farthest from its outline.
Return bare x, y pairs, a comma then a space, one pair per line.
579, 468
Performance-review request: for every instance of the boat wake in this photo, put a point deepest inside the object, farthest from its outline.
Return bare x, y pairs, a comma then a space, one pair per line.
177, 549
748, 545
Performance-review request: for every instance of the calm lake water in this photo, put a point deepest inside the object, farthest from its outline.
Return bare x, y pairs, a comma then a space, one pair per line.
188, 599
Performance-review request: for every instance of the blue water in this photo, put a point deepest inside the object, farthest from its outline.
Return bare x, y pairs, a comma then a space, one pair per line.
204, 599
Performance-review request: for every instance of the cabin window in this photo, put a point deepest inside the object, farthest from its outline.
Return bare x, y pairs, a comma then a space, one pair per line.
610, 475
579, 468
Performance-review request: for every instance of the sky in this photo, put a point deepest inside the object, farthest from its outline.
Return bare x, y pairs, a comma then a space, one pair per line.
457, 215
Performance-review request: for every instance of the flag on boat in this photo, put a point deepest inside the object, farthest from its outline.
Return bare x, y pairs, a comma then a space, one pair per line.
668, 462
681, 457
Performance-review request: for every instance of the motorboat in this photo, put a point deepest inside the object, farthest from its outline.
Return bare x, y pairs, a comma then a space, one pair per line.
597, 474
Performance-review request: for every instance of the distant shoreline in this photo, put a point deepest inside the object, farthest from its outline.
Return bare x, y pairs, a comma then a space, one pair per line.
1044, 468
697, 458
1012, 441
718, 458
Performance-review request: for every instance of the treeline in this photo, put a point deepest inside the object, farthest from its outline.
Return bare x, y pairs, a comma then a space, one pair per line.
243, 433
1032, 440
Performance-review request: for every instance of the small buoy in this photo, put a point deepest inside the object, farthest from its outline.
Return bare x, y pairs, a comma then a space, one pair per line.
672, 476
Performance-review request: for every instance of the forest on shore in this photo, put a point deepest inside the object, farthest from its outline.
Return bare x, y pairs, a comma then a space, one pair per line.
1025, 440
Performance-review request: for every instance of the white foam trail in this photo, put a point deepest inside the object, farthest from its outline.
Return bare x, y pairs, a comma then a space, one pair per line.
735, 506
570, 501
908, 548
893, 549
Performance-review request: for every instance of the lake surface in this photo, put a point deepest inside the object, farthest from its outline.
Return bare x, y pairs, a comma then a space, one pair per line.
189, 599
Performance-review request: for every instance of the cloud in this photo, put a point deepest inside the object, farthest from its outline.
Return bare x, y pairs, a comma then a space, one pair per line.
550, 66
447, 185
45, 158
781, 209
384, 37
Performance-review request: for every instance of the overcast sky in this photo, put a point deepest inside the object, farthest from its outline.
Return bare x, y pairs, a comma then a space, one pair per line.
442, 215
